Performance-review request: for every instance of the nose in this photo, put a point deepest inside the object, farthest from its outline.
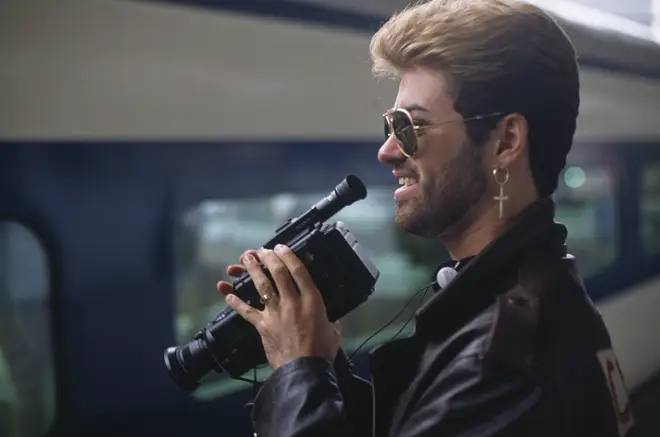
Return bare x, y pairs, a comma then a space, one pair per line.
389, 152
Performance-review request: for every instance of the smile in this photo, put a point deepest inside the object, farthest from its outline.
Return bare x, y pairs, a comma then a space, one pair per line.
408, 187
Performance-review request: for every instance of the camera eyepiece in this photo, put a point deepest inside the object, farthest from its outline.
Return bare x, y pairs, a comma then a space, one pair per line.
351, 190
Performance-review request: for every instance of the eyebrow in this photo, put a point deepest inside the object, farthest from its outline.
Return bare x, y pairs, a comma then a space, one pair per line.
412, 108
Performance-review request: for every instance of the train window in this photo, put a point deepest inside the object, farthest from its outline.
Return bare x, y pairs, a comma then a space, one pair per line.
27, 398
586, 206
215, 233
650, 208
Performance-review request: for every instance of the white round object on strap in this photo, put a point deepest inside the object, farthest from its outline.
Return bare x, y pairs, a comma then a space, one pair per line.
445, 276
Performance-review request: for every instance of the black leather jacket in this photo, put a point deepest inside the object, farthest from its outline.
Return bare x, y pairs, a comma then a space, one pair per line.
513, 346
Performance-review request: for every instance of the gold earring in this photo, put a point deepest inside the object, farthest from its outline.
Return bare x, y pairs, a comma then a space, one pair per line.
501, 176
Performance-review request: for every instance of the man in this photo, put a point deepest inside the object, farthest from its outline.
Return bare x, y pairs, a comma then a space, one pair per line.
512, 346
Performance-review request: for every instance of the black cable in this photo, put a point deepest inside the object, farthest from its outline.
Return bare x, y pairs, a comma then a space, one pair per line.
409, 318
255, 383
423, 289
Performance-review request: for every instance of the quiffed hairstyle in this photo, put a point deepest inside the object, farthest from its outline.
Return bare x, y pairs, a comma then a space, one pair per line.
498, 56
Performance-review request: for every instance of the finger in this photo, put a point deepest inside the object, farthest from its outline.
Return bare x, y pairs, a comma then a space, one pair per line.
259, 278
252, 315
281, 276
299, 273
235, 270
225, 287
248, 252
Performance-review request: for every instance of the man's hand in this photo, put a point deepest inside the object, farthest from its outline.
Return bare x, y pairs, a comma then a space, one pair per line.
293, 323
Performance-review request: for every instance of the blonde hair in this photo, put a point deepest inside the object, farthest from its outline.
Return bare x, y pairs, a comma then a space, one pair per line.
497, 55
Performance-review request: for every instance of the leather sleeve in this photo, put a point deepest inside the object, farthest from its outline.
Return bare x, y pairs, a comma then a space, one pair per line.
311, 397
477, 399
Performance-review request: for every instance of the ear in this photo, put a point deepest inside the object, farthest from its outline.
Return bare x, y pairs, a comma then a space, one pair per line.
511, 140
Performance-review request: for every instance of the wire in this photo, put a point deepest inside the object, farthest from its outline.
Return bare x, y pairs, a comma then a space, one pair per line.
255, 383
423, 289
409, 318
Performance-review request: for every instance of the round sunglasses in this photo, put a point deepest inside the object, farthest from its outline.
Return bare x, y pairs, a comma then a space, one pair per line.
399, 122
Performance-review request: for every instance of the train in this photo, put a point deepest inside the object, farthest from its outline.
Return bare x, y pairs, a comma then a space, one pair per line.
145, 144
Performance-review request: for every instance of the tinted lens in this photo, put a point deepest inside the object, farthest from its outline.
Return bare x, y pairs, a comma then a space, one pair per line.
404, 131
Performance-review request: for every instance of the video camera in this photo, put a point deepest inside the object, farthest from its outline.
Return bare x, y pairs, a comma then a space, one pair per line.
338, 265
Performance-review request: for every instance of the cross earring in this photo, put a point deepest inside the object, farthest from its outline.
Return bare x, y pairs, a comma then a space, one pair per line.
501, 176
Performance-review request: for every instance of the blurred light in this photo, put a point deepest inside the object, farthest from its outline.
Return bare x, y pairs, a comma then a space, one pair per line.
283, 205
574, 177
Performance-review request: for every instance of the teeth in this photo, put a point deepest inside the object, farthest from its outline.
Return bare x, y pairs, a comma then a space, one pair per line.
407, 181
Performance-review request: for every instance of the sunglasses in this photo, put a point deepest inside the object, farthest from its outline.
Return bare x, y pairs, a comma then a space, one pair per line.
399, 122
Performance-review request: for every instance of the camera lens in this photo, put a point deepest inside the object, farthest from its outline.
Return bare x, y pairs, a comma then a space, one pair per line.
188, 364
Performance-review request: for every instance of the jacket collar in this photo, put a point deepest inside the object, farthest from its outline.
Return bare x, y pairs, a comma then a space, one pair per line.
533, 232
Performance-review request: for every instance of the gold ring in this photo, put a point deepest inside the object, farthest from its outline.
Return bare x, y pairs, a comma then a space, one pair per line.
265, 298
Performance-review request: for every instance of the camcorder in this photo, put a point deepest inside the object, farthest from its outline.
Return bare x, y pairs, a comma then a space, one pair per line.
341, 269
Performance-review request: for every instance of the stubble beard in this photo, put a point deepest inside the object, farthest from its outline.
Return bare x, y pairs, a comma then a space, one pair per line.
446, 197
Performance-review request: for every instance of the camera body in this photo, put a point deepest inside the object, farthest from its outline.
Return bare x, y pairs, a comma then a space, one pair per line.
341, 269
338, 266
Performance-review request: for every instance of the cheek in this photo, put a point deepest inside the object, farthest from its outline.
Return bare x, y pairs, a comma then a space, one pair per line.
430, 178
437, 150
439, 146
421, 172
430, 167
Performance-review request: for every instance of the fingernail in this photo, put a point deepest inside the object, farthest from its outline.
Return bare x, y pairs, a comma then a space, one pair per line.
248, 258
230, 298
280, 248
